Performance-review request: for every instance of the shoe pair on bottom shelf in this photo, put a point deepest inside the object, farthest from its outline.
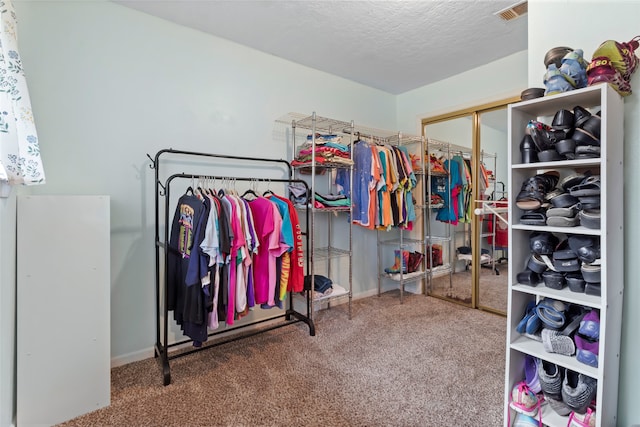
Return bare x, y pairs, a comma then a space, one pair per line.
409, 262
588, 419
566, 392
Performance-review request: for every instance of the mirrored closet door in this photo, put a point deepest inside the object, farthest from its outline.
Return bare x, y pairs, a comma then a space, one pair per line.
450, 224
473, 220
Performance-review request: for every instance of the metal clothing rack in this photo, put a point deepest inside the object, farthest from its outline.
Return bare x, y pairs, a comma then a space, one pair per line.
162, 345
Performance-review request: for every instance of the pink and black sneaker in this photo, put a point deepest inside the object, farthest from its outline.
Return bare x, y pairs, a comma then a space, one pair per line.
601, 70
622, 55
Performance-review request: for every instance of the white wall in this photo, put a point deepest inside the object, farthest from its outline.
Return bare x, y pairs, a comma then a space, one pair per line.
7, 308
501, 79
604, 20
108, 85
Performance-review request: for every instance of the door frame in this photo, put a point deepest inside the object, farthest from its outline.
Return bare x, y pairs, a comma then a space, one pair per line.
475, 113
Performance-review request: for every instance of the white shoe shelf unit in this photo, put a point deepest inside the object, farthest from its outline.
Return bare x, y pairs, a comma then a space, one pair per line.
330, 239
609, 303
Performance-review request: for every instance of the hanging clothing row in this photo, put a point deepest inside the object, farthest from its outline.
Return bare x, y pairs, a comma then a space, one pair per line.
228, 254
383, 178
457, 187
225, 255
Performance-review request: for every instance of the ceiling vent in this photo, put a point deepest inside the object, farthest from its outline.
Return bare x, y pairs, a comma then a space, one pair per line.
514, 11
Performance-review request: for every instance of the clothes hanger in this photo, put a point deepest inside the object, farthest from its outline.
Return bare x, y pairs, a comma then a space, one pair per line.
251, 191
189, 190
268, 192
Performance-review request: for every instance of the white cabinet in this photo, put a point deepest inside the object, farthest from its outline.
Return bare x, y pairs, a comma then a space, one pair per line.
63, 311
610, 167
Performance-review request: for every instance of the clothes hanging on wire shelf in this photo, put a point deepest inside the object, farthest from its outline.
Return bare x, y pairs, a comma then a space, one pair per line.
383, 178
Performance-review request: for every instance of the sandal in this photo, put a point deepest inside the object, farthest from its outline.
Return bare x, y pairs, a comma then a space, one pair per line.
587, 248
563, 221
568, 212
552, 313
530, 311
590, 218
583, 137
528, 277
536, 217
590, 186
561, 199
554, 279
587, 151
544, 136
571, 180
590, 202
533, 191
542, 242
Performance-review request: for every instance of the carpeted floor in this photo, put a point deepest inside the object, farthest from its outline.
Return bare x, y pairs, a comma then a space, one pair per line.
493, 287
426, 362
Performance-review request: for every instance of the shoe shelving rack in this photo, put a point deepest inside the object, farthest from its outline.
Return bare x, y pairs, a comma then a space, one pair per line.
405, 240
610, 165
330, 237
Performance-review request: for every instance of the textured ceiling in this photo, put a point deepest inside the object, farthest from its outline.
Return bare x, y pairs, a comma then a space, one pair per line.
394, 46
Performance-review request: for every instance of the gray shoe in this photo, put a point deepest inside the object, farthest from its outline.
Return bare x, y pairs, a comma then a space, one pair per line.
558, 406
578, 390
550, 376
555, 342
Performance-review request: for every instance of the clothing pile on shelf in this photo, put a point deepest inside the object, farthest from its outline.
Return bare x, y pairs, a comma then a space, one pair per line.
382, 182
228, 254
455, 188
299, 195
329, 150
334, 201
322, 285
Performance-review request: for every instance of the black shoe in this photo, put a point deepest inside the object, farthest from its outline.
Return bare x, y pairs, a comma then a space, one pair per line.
528, 150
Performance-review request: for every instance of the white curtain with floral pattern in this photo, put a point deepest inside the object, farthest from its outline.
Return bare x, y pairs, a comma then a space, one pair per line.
20, 161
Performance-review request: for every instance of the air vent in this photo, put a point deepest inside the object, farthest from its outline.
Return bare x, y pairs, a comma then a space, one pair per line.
514, 11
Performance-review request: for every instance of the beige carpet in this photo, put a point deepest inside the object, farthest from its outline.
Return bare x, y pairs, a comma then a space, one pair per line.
426, 362
493, 287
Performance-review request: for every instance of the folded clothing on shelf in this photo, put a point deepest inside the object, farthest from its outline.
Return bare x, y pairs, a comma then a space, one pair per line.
332, 201
320, 283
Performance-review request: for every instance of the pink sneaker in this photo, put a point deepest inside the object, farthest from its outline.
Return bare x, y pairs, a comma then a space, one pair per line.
588, 419
524, 401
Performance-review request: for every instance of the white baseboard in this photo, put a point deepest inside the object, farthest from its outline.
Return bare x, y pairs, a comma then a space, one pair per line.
369, 293
137, 356
131, 357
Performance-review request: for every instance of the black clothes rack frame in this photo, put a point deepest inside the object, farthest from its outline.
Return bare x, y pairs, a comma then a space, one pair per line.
162, 346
